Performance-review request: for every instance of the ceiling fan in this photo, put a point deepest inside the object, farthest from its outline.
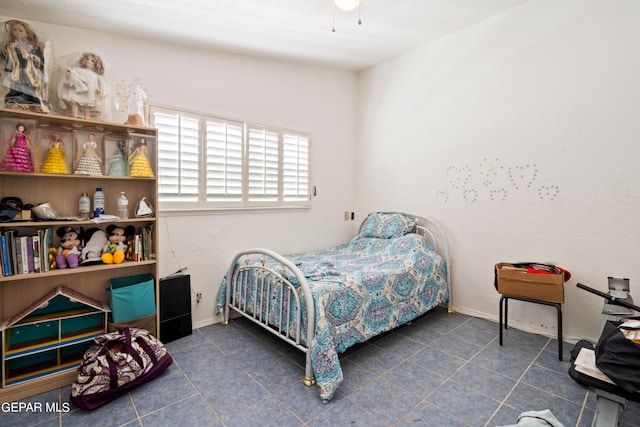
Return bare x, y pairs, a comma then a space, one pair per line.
347, 6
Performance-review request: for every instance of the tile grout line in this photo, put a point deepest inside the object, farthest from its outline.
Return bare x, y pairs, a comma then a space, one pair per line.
518, 380
446, 379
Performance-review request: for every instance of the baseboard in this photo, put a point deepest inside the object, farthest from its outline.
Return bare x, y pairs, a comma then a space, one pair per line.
525, 327
207, 322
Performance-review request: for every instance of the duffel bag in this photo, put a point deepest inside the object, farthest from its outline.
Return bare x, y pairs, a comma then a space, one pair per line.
618, 353
116, 363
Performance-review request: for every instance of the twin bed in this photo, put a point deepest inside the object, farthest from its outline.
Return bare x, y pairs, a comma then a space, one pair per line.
396, 269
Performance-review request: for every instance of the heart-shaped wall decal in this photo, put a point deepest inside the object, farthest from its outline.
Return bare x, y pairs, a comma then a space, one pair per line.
500, 194
470, 195
459, 176
522, 176
444, 195
548, 192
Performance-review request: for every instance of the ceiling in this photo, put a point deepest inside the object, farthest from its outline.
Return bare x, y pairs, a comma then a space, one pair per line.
285, 29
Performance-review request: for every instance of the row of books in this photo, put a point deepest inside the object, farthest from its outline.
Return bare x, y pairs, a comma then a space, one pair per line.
25, 250
143, 244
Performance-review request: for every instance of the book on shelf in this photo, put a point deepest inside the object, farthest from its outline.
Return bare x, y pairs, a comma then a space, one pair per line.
149, 246
20, 244
18, 251
136, 248
30, 261
37, 261
47, 243
11, 252
23, 254
5, 255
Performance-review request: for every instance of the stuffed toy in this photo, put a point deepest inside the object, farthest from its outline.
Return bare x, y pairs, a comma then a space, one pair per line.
70, 246
94, 241
114, 251
73, 79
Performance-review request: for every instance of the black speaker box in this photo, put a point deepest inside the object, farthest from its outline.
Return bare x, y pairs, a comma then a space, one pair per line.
175, 307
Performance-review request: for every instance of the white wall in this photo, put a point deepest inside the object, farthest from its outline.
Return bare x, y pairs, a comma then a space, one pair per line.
313, 99
522, 136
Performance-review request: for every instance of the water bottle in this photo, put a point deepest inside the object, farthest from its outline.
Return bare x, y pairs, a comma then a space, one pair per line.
84, 206
98, 202
123, 206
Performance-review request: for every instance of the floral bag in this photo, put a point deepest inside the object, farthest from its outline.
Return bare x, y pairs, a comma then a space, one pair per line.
115, 364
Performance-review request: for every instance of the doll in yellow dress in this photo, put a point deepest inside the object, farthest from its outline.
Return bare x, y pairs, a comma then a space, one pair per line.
139, 163
56, 160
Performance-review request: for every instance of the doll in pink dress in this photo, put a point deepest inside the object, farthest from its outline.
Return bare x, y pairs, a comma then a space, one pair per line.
18, 156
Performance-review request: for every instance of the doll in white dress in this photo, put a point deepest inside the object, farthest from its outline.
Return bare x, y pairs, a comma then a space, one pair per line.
89, 163
83, 88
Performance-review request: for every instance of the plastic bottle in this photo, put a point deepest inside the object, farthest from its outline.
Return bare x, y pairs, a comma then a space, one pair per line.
123, 206
84, 206
98, 202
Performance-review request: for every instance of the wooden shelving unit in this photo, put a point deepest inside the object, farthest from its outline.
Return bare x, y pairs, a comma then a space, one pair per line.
18, 291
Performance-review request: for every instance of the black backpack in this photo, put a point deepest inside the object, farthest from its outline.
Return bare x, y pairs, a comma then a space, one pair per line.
619, 357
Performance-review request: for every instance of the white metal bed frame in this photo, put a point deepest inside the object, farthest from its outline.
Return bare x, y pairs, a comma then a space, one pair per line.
256, 260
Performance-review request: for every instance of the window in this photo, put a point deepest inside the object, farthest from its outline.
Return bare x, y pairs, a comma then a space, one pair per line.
207, 162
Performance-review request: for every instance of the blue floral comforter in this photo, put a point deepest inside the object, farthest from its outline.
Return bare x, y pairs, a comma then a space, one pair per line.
362, 288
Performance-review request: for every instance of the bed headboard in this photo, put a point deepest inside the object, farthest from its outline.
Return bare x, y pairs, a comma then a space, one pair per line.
432, 232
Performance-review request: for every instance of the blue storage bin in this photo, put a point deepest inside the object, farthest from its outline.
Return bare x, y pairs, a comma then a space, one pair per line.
132, 297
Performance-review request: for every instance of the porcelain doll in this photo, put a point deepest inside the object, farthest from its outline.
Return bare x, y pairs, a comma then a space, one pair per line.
139, 163
18, 157
118, 164
89, 163
24, 66
83, 88
56, 160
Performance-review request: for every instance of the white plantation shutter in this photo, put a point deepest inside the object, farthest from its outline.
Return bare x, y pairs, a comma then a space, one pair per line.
178, 157
224, 160
263, 161
295, 168
207, 162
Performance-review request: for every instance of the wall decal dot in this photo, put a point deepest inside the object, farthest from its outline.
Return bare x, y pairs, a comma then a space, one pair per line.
500, 194
459, 176
548, 192
522, 176
470, 195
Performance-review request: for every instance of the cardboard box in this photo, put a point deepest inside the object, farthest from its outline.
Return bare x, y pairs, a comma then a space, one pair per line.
517, 282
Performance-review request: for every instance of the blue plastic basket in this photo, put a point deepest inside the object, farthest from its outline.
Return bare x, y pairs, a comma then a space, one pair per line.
132, 297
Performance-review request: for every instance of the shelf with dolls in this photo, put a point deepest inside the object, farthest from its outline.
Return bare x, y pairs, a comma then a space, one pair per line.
48, 163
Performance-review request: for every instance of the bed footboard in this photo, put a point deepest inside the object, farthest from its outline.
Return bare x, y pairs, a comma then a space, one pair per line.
259, 288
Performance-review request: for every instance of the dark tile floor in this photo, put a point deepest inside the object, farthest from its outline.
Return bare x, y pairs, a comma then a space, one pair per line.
442, 370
